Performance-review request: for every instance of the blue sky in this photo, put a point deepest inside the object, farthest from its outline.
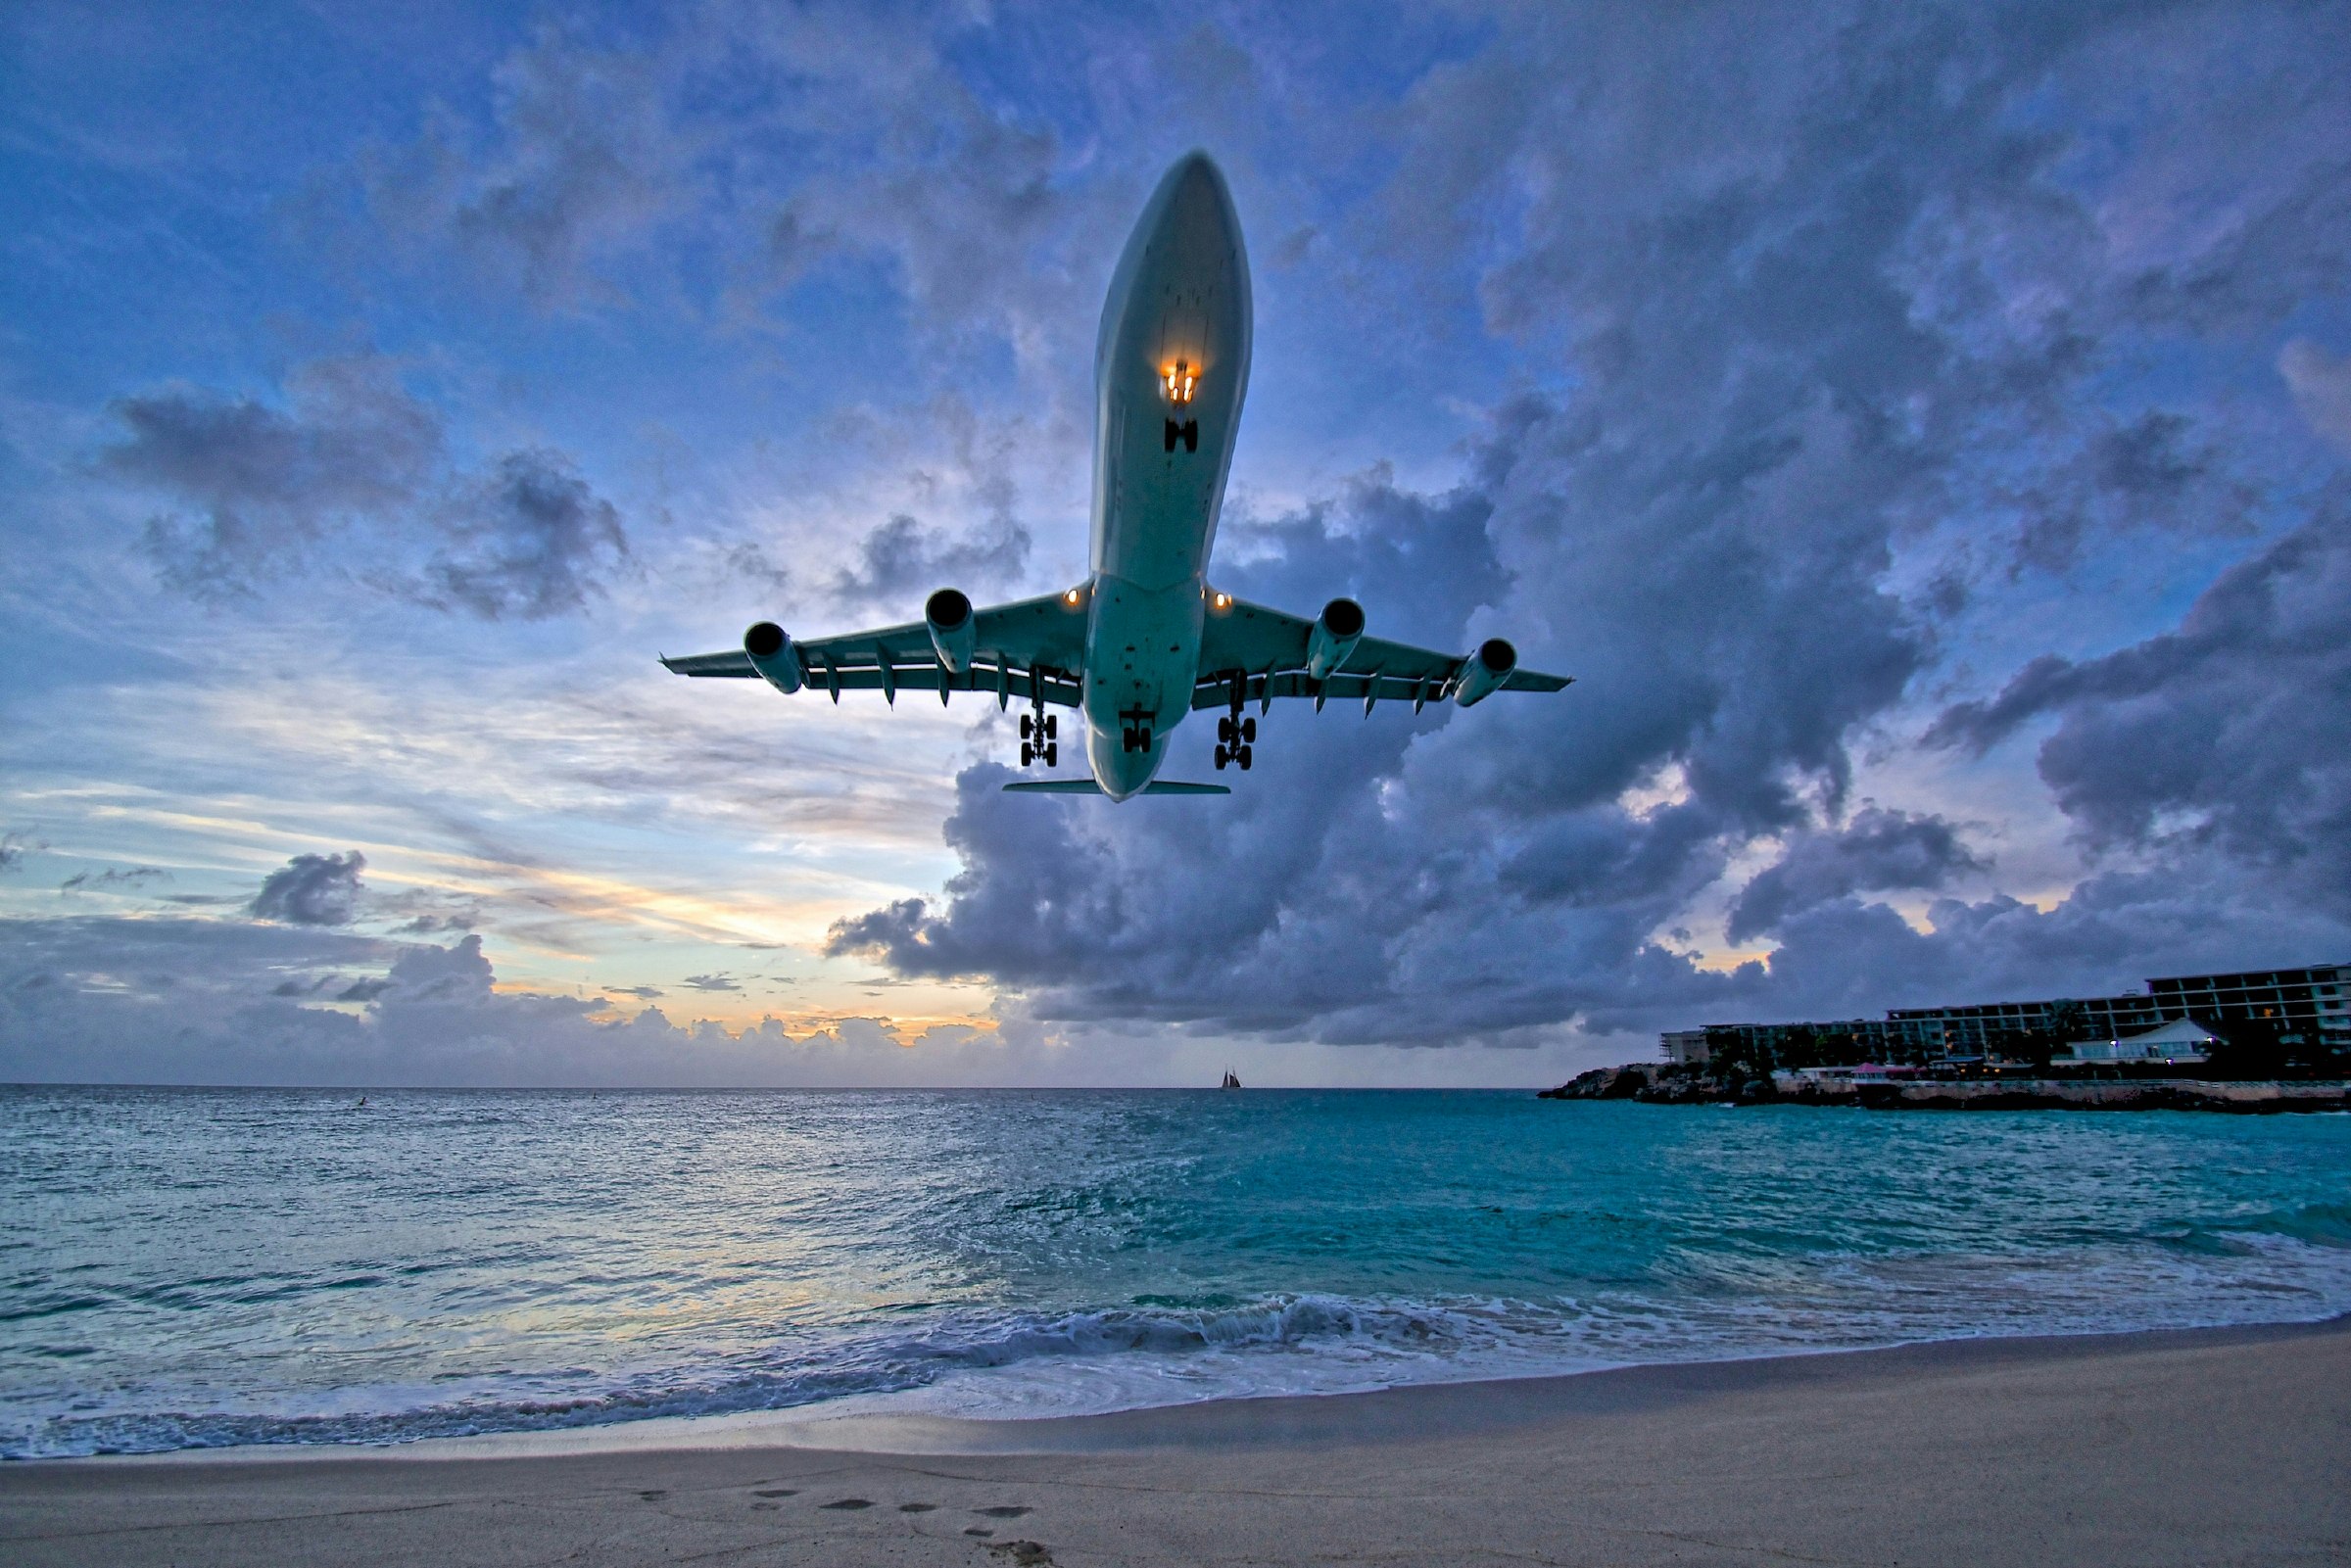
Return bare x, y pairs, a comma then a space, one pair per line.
1922, 430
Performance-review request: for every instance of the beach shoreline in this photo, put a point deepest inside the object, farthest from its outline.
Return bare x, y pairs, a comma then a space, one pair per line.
2164, 1446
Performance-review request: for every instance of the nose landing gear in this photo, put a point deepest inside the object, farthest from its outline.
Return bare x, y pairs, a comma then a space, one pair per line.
1134, 738
1038, 740
1188, 433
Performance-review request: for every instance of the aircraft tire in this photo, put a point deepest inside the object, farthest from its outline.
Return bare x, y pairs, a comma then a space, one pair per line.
1248, 732
1222, 757
1242, 757
1028, 753
1224, 730
1025, 722
1052, 755
1052, 727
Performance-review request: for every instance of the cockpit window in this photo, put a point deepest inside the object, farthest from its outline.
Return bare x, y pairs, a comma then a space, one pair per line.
1180, 379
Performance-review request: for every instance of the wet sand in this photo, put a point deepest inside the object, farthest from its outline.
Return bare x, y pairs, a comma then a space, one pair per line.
2207, 1446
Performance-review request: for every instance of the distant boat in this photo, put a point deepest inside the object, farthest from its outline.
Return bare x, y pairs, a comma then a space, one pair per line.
1231, 1081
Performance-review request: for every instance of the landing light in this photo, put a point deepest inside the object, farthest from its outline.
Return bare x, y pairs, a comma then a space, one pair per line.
1224, 601
1071, 598
1180, 379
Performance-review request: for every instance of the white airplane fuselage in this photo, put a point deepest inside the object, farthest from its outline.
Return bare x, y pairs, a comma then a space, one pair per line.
1170, 369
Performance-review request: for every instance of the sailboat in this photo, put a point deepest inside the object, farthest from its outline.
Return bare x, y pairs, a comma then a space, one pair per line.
1231, 1081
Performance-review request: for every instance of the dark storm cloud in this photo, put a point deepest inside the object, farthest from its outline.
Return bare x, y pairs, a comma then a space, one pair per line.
265, 484
902, 559
531, 540
354, 456
115, 876
2234, 728
312, 890
1878, 850
1821, 285
14, 848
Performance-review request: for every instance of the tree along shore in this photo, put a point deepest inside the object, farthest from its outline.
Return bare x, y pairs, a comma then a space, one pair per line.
1656, 1085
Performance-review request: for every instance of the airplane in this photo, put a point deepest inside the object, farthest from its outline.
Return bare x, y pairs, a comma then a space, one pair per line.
1145, 640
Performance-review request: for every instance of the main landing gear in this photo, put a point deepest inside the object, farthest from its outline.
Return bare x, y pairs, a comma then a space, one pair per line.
1040, 737
1236, 738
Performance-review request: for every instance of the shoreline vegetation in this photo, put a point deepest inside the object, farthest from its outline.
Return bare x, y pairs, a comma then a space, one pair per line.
1659, 1083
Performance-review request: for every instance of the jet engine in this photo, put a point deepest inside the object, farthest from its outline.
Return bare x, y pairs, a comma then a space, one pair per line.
1486, 670
1336, 631
955, 636
771, 654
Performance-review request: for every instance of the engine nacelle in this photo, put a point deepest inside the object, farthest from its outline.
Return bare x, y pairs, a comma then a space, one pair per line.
1336, 631
1487, 669
954, 631
771, 654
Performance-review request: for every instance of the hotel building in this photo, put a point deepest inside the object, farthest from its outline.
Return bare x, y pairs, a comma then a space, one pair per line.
2309, 1006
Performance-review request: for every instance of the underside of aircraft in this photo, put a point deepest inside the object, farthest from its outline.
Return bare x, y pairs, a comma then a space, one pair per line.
1145, 640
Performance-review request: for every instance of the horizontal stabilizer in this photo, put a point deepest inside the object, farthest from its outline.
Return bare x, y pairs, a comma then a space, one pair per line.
1087, 787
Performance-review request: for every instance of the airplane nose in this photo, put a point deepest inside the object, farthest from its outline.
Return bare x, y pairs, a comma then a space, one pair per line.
1198, 201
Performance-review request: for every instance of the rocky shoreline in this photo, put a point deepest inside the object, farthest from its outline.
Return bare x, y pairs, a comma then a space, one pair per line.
1658, 1085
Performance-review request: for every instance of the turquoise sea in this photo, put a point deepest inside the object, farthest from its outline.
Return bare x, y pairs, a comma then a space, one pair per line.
196, 1267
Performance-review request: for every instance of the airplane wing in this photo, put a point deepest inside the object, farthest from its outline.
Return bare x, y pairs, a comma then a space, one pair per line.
1263, 652
1029, 649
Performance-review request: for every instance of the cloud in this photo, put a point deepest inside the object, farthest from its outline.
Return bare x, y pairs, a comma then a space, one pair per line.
14, 848
114, 876
2229, 730
529, 541
353, 456
582, 156
312, 890
1878, 850
710, 983
184, 1000
2321, 388
267, 484
1859, 303
902, 558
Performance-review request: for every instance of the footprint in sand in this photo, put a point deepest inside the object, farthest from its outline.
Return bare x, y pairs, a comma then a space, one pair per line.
849, 1502
917, 1507
977, 1530
775, 1492
1005, 1511
1024, 1553
654, 1496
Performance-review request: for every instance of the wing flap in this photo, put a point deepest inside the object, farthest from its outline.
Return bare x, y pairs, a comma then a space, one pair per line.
1028, 650
1216, 691
735, 664
1057, 688
1263, 650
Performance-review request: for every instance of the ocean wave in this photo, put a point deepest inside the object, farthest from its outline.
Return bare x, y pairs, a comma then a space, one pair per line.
1024, 1364
440, 1272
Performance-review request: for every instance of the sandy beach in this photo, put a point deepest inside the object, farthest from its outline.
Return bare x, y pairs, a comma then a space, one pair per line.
2204, 1446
